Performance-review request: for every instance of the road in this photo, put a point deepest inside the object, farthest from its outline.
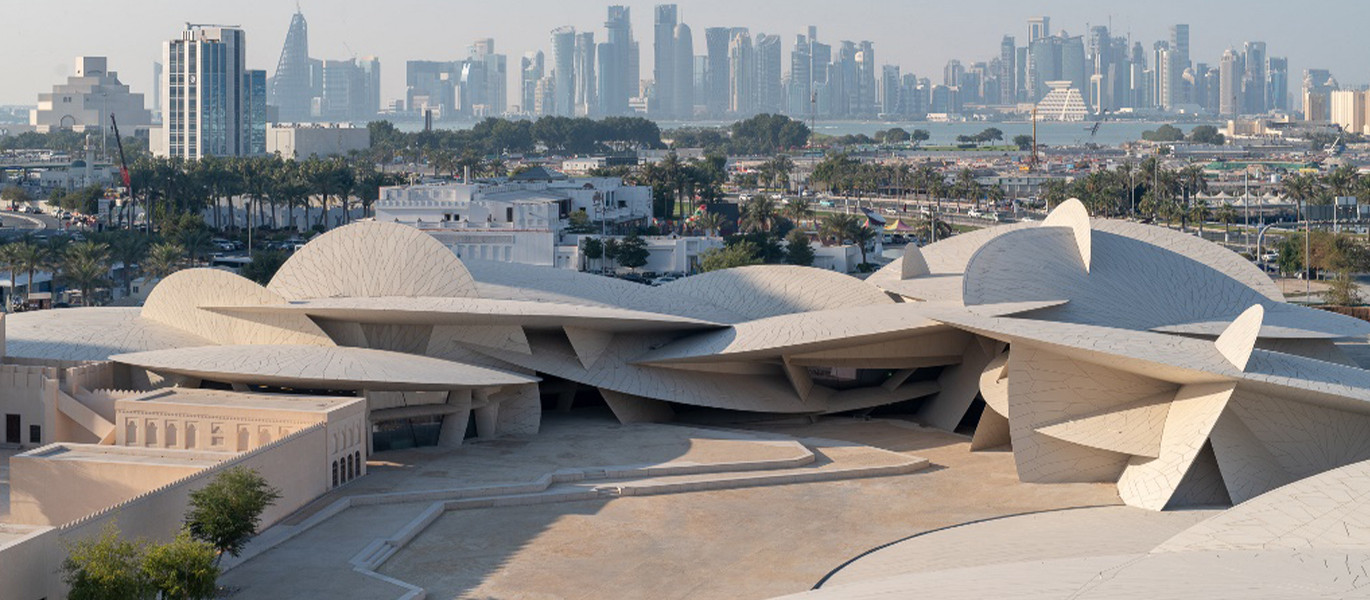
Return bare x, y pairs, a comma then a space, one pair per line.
12, 223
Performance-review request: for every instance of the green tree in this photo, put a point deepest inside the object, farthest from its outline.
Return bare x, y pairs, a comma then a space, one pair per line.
632, 251
1164, 133
1206, 134
182, 569
711, 222
85, 265
798, 250
592, 247
226, 512
1023, 142
740, 254
163, 259
106, 568
264, 265
759, 213
15, 195
9, 259
579, 222
29, 258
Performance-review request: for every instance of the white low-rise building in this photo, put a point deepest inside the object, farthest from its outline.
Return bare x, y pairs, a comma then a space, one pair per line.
315, 139
518, 220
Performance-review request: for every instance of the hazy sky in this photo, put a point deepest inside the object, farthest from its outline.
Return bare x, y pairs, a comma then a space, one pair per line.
41, 37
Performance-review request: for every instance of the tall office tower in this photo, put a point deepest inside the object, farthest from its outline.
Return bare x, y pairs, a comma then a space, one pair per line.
585, 85
156, 92
482, 59
910, 97
1073, 66
1119, 73
206, 97
1254, 56
431, 86
890, 85
951, 74
865, 80
545, 97
1137, 80
1179, 48
1318, 84
1196, 79
1044, 64
292, 88
532, 69
770, 96
618, 84
1162, 83
1277, 84
1008, 70
801, 78
1020, 75
742, 75
1229, 84
1038, 28
343, 90
1098, 69
664, 60
254, 113
684, 102
1212, 77
606, 68
564, 72
716, 81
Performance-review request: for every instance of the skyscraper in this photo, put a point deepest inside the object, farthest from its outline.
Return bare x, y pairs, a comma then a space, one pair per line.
801, 78
206, 90
1278, 83
1038, 28
532, 69
563, 72
1255, 78
586, 86
890, 84
769, 64
494, 97
619, 82
716, 75
156, 92
291, 88
1008, 70
1179, 57
684, 48
865, 104
1229, 84
742, 74
664, 61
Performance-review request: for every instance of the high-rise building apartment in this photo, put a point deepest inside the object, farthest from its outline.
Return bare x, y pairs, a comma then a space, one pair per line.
1346, 108
563, 72
801, 78
292, 88
532, 69
1277, 85
1318, 85
664, 61
1038, 28
586, 101
716, 78
1179, 62
156, 92
742, 74
1229, 84
890, 86
770, 97
684, 72
207, 94
494, 97
1008, 70
618, 70
1255, 78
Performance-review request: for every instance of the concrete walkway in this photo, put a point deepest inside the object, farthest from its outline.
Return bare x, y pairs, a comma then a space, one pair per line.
342, 540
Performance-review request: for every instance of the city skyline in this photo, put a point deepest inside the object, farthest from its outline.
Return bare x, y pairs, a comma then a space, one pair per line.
348, 28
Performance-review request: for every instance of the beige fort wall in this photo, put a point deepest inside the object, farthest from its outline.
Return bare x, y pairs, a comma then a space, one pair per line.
296, 465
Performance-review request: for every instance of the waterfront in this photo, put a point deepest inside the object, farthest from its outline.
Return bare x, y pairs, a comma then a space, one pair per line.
1110, 133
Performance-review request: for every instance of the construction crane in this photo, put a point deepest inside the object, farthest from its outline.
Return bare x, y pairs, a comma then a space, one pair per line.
123, 167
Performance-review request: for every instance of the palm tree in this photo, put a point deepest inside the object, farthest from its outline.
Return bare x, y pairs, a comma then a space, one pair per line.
798, 210
836, 228
759, 213
1227, 214
163, 259
862, 236
128, 249
711, 222
1192, 183
30, 257
196, 243
1054, 192
85, 265
9, 257
1199, 212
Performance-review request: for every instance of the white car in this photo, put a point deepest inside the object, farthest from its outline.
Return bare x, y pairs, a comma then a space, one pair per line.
975, 213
